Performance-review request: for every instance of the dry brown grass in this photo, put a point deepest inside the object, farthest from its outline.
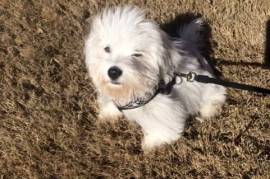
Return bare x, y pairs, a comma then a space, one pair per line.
48, 123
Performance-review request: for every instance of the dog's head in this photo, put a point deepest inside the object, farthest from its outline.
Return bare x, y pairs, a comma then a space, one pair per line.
126, 54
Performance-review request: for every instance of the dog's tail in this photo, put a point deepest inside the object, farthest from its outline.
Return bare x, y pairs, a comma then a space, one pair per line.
197, 35
192, 33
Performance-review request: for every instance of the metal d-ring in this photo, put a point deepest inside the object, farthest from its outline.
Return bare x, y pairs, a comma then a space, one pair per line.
191, 76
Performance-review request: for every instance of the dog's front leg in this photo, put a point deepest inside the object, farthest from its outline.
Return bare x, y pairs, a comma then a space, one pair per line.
107, 109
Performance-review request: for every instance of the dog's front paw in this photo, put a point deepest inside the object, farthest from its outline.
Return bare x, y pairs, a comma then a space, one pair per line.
108, 116
150, 142
154, 140
109, 113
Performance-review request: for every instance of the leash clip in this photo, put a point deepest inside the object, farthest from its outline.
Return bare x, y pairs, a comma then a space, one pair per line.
191, 76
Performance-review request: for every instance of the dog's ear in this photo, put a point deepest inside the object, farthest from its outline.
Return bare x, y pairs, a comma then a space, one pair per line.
88, 22
91, 22
166, 66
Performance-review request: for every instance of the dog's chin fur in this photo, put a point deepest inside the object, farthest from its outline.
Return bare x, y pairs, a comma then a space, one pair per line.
123, 94
127, 33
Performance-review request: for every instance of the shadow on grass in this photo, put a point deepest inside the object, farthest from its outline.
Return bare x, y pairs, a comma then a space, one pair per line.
224, 62
267, 45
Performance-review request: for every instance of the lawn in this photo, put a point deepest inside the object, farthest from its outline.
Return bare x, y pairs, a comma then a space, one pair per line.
48, 110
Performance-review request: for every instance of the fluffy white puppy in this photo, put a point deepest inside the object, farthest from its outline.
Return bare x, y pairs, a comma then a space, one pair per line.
132, 63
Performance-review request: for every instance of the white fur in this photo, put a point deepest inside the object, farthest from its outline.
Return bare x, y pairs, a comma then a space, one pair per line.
126, 31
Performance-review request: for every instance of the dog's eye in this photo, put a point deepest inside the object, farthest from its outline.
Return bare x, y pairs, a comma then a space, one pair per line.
107, 49
136, 54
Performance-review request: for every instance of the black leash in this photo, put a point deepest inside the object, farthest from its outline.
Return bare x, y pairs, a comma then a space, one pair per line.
192, 76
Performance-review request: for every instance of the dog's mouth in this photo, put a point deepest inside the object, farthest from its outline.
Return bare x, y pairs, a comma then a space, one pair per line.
115, 82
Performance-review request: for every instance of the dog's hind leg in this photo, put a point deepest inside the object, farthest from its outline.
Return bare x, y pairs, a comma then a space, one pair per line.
212, 105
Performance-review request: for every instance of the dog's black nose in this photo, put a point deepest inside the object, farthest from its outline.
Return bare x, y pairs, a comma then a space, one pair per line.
114, 72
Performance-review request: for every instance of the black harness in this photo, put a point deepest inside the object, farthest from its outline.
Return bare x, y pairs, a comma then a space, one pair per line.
162, 89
